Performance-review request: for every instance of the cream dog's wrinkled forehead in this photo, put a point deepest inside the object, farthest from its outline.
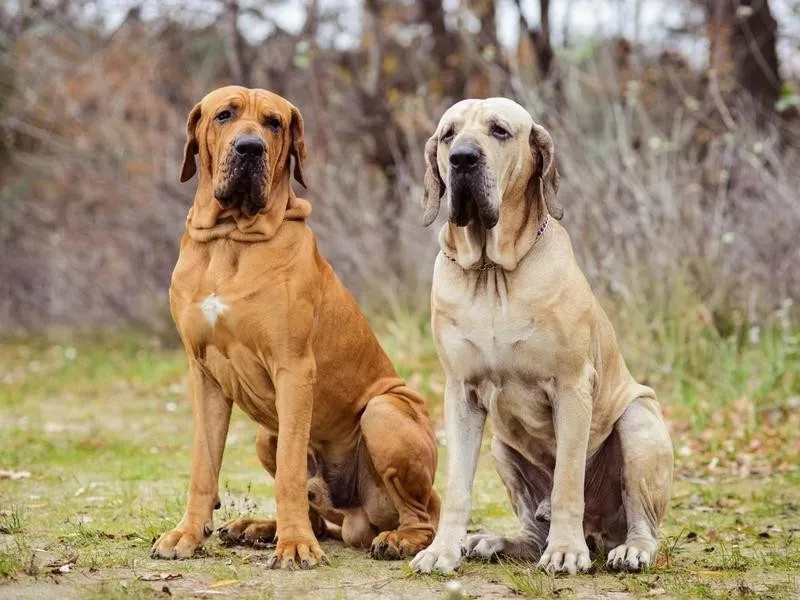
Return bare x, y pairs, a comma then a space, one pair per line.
472, 109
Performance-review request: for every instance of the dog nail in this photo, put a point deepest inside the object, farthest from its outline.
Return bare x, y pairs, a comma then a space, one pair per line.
304, 564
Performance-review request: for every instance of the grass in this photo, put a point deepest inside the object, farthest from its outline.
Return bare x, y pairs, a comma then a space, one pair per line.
11, 521
103, 427
11, 557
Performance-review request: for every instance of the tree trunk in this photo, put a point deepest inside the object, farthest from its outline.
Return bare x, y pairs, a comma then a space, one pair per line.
432, 12
742, 35
381, 126
235, 45
540, 38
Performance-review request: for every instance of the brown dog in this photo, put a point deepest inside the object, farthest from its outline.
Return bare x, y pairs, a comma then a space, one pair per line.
266, 324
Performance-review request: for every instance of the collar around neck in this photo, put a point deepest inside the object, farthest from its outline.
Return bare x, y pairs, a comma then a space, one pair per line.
486, 265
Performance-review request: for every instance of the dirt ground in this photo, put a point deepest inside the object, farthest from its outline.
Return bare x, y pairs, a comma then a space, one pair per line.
94, 465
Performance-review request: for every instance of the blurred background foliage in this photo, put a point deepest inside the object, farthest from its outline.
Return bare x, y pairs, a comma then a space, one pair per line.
676, 129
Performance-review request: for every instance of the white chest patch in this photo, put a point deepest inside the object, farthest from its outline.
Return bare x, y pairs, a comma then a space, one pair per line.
212, 307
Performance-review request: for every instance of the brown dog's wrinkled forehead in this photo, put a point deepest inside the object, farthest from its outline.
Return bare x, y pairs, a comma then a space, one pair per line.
245, 98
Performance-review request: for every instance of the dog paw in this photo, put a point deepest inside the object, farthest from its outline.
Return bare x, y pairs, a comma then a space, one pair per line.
484, 546
442, 558
631, 556
259, 533
178, 543
394, 545
566, 557
291, 554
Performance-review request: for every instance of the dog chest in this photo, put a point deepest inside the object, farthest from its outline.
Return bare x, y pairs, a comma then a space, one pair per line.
521, 416
504, 351
478, 338
243, 379
212, 317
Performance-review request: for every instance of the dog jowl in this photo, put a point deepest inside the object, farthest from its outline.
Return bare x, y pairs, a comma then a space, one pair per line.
471, 186
243, 175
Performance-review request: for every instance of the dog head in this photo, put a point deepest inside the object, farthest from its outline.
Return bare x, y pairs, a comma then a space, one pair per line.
245, 139
485, 153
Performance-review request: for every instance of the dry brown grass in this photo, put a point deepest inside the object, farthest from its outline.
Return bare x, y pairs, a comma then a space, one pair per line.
660, 195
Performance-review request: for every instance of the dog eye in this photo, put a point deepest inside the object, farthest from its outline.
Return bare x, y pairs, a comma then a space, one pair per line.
501, 133
225, 115
448, 136
273, 123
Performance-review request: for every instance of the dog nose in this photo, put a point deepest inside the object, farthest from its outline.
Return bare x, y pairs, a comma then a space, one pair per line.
249, 145
465, 157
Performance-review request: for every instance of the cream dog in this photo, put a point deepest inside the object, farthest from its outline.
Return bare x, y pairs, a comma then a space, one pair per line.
579, 444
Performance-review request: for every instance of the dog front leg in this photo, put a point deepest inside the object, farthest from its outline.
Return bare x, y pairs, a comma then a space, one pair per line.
211, 415
464, 422
294, 399
572, 418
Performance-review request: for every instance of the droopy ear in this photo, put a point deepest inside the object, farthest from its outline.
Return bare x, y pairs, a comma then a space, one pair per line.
546, 172
298, 149
189, 167
432, 183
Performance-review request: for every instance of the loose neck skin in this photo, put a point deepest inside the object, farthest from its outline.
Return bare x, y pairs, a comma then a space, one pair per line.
207, 220
507, 243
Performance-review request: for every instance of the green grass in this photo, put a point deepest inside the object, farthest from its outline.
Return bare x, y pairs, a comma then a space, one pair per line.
12, 521
103, 426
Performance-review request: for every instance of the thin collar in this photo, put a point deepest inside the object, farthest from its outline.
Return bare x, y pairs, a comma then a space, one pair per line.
485, 266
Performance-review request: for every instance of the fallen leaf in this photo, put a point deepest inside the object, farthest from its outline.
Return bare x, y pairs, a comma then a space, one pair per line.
62, 566
159, 576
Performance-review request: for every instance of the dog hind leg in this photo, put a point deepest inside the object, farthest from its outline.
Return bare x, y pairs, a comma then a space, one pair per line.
646, 480
528, 487
402, 451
